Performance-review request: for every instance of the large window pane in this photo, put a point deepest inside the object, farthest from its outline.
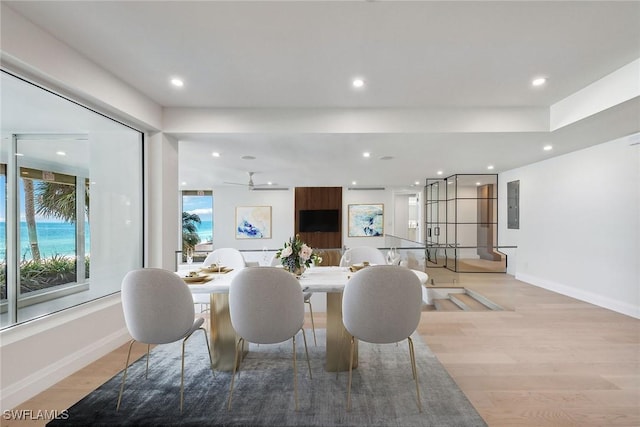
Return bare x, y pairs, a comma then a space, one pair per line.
71, 202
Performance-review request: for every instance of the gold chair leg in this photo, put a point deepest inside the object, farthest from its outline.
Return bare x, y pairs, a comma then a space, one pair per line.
184, 341
124, 375
295, 373
206, 340
233, 375
146, 374
350, 373
306, 350
313, 325
412, 354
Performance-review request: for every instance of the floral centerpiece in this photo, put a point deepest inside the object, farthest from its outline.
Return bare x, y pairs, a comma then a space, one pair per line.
296, 255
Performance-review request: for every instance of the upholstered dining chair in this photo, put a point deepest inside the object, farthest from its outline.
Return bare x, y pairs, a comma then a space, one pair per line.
228, 257
265, 305
307, 300
382, 304
361, 254
158, 309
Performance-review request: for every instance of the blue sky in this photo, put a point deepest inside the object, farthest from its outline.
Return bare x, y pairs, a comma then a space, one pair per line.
199, 205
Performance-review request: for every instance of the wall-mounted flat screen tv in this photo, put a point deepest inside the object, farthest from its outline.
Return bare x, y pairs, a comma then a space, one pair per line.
319, 220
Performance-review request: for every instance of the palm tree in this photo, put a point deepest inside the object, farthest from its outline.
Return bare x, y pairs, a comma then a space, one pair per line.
190, 237
30, 218
56, 200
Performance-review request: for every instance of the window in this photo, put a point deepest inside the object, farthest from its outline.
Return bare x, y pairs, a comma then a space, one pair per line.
71, 221
197, 223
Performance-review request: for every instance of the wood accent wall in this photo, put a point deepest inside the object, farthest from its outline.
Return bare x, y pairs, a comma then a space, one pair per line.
319, 198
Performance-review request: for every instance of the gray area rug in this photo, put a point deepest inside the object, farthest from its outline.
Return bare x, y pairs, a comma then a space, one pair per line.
383, 391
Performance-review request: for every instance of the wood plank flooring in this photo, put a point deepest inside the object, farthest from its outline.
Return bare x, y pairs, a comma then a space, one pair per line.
548, 360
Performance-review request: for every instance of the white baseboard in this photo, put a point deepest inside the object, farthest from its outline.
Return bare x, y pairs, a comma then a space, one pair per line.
38, 381
582, 295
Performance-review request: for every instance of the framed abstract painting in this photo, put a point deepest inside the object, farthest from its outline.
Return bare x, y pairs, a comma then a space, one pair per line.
366, 220
253, 222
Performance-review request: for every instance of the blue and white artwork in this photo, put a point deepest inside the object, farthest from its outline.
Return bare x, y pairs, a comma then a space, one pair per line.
253, 222
366, 220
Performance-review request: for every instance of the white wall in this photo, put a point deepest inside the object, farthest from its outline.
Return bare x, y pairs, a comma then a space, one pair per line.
225, 201
366, 196
580, 225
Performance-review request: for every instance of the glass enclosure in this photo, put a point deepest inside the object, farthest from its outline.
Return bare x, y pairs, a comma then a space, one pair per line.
71, 202
462, 224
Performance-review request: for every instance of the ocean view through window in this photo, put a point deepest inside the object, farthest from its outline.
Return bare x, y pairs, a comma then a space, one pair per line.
72, 224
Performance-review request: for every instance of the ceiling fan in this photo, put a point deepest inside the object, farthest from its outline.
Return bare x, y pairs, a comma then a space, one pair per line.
250, 185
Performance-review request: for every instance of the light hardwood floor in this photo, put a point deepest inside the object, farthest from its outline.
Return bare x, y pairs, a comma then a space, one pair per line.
548, 360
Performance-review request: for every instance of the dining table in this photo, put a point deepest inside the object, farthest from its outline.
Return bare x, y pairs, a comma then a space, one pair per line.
318, 279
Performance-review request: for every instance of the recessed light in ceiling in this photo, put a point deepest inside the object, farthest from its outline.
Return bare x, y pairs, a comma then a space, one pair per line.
19, 155
478, 184
439, 172
215, 154
417, 183
490, 167
248, 158
353, 183
366, 154
539, 81
177, 82
358, 83
547, 147
61, 153
183, 183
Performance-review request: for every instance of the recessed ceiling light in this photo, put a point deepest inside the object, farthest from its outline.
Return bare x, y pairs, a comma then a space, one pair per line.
490, 167
477, 184
248, 158
177, 82
269, 183
61, 153
215, 154
366, 154
358, 83
417, 183
19, 155
183, 183
539, 81
353, 182
547, 147
439, 172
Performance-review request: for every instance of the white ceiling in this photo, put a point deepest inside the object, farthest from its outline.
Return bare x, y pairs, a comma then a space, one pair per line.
303, 55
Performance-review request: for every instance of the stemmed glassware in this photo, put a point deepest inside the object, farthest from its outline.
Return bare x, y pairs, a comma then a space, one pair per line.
347, 258
189, 256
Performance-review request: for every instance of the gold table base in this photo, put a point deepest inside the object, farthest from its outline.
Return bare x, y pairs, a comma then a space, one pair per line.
224, 338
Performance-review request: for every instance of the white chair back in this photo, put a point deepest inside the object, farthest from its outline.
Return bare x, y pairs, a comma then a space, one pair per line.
266, 305
361, 254
382, 304
228, 257
158, 306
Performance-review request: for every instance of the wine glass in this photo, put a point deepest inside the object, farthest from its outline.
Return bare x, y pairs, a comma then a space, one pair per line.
347, 259
189, 256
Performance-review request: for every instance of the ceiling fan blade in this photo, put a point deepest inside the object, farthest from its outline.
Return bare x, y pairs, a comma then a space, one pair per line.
237, 183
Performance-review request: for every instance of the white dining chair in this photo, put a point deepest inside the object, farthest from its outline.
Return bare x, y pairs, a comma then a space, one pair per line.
275, 261
360, 254
266, 307
382, 304
228, 257
158, 309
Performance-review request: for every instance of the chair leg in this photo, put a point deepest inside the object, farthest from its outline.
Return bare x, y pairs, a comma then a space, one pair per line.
313, 325
146, 373
184, 341
295, 373
306, 350
350, 373
233, 375
206, 340
412, 354
124, 375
